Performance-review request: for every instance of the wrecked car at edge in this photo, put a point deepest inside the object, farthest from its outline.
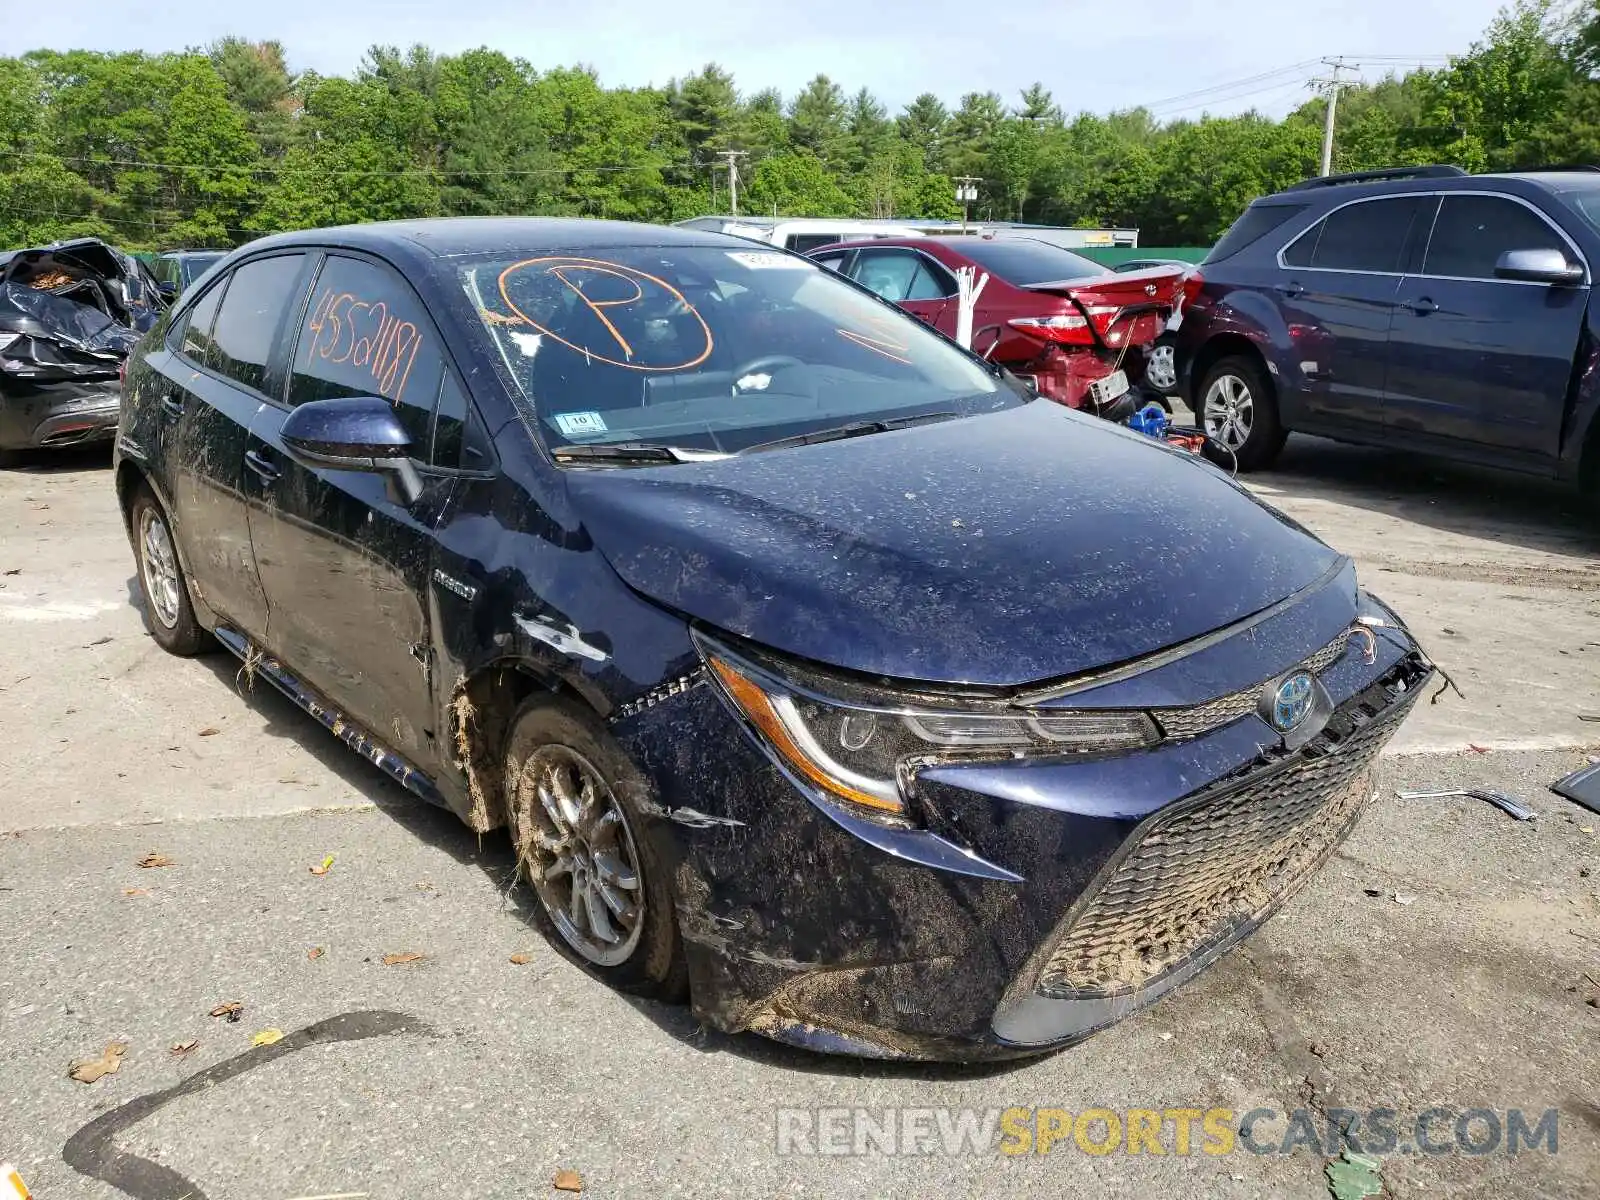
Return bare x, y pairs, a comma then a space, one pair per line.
822, 676
69, 314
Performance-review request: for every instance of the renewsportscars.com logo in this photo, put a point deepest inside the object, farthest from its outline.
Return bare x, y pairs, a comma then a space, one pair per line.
1180, 1132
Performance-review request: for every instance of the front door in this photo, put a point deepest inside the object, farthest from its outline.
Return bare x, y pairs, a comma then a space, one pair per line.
345, 563
1480, 359
1336, 296
217, 382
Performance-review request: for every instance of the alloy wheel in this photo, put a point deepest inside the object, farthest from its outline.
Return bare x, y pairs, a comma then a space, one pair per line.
1161, 368
581, 856
158, 563
1228, 411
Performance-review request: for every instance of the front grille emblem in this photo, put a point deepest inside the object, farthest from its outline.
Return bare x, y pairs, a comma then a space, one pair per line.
1292, 702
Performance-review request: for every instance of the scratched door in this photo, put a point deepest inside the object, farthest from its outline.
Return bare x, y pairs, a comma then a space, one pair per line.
345, 564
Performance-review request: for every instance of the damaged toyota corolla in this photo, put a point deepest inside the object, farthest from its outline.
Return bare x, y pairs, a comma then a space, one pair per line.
822, 675
69, 314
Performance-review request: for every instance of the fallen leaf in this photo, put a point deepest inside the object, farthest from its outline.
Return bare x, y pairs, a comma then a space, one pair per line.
522, 960
567, 1181
395, 960
1477, 749
179, 1049
87, 1070
324, 866
1354, 1177
1404, 898
14, 571
266, 1037
230, 1009
209, 731
155, 860
315, 953
135, 891
1371, 892
99, 642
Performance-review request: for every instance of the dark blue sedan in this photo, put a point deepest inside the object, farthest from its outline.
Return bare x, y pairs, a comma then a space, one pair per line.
821, 675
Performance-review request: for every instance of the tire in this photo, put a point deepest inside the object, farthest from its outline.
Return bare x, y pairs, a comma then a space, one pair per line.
168, 614
1236, 406
553, 751
1161, 367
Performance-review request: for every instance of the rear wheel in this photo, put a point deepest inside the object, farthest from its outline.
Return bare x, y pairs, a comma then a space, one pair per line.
1161, 368
168, 613
1238, 410
577, 809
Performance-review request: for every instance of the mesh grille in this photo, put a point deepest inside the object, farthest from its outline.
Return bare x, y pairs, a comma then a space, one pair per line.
1201, 872
1213, 714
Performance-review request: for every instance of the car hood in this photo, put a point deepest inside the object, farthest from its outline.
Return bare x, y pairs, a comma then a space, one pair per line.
998, 550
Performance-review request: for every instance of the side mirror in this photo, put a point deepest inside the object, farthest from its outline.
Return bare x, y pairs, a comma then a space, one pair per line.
361, 433
1538, 266
167, 288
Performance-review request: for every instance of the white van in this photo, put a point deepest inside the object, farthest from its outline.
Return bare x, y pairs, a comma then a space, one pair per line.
801, 234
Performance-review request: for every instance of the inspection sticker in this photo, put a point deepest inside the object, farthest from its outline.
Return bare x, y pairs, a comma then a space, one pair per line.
767, 260
578, 423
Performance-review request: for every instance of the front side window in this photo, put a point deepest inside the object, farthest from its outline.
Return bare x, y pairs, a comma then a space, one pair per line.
1368, 236
259, 294
709, 347
367, 334
1472, 232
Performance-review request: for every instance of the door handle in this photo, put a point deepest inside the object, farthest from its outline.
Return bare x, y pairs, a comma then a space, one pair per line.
1292, 289
172, 405
1422, 306
261, 466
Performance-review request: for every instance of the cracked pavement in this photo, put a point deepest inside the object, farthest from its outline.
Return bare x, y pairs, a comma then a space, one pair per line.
488, 1076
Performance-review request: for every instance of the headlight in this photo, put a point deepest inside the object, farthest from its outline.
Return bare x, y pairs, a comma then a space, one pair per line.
859, 751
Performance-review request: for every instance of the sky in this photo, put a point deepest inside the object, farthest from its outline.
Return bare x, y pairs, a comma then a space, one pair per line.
1182, 59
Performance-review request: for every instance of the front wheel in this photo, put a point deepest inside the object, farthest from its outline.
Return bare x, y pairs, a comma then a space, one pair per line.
168, 613
1239, 413
577, 811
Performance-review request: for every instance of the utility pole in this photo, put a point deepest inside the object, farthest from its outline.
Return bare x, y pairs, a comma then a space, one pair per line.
733, 157
1334, 84
966, 192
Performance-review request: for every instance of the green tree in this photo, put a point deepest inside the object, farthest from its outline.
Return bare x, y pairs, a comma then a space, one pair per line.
818, 121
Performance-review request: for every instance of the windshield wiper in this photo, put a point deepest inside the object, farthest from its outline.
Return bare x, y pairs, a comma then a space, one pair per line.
635, 452
853, 429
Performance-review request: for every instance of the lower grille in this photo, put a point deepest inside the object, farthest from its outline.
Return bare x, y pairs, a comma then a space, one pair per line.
1201, 873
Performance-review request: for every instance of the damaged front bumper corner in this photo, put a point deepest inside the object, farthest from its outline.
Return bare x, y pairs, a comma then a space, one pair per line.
1075, 891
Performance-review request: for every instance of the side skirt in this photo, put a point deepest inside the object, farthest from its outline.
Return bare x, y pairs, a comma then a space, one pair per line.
341, 726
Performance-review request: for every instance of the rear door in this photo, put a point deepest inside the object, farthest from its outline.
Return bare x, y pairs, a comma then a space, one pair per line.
346, 564
1478, 359
1336, 293
221, 379
910, 279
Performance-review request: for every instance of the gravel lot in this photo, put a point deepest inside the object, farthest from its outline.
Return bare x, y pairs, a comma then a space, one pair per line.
471, 1075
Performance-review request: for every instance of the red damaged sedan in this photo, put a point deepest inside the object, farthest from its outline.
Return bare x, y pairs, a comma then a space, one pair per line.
1078, 331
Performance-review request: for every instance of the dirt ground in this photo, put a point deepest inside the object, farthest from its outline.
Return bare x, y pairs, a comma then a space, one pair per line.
1443, 959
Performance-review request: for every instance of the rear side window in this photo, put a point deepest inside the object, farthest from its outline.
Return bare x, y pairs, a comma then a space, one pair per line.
367, 334
258, 295
805, 243
197, 342
1369, 236
1472, 232
1258, 221
898, 275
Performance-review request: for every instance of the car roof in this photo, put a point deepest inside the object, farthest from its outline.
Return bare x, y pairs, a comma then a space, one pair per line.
442, 237
1512, 182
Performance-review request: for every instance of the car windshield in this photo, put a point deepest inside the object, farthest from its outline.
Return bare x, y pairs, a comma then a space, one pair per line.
1027, 261
710, 347
1584, 199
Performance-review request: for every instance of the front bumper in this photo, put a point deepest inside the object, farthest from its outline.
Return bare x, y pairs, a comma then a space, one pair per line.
38, 414
1041, 902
